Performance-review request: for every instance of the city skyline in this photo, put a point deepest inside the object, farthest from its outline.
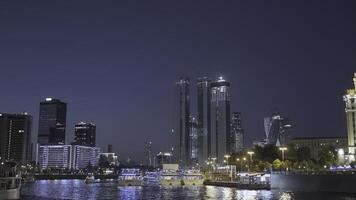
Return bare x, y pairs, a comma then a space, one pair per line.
117, 69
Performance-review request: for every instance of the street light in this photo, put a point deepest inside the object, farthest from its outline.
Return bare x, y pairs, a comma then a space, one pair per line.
227, 158
283, 149
251, 154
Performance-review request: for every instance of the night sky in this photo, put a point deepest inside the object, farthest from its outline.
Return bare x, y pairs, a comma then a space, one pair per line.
115, 63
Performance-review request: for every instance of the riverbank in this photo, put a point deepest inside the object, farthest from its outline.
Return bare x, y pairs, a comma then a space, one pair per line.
339, 183
71, 176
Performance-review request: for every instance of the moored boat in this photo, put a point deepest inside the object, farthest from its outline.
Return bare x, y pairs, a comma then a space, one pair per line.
192, 178
130, 177
170, 175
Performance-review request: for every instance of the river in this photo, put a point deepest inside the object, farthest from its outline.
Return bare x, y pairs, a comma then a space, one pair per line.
77, 189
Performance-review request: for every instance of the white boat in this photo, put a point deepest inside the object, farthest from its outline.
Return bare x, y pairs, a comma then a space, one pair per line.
10, 182
151, 178
170, 175
192, 178
171, 178
130, 177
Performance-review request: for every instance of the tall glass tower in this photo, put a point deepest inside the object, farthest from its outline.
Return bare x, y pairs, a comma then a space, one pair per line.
182, 148
193, 141
52, 122
204, 119
350, 109
220, 119
237, 133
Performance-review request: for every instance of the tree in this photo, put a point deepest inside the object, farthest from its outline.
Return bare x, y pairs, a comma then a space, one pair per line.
303, 153
103, 162
277, 165
267, 153
327, 156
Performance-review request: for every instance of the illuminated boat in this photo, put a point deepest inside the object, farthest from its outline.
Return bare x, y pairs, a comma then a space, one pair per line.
130, 177
10, 182
192, 178
170, 176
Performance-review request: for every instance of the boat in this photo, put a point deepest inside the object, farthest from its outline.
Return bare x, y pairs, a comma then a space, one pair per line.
192, 178
10, 181
90, 178
151, 178
130, 177
170, 175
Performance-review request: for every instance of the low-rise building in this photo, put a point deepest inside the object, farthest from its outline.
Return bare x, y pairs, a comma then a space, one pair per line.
112, 158
85, 156
315, 144
67, 156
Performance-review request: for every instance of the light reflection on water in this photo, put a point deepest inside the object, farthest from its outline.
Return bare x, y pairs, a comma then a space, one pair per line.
77, 189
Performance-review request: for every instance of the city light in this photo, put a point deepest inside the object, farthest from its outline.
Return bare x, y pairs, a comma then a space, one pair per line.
283, 149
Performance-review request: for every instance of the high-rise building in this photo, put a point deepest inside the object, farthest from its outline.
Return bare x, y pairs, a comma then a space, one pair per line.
85, 134
15, 137
204, 120
277, 130
220, 119
237, 132
350, 109
148, 152
181, 150
52, 122
193, 141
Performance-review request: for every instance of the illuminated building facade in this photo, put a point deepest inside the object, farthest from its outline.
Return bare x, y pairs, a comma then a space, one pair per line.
350, 109
237, 133
55, 156
85, 156
193, 141
67, 156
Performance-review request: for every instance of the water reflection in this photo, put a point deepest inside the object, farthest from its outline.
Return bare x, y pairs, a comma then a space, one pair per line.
77, 189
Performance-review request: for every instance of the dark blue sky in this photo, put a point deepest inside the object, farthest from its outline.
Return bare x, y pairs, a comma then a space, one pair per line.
115, 62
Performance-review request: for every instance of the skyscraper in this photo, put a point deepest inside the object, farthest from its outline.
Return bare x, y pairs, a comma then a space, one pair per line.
148, 152
15, 137
193, 141
220, 119
52, 122
276, 129
350, 109
204, 96
181, 150
85, 134
237, 133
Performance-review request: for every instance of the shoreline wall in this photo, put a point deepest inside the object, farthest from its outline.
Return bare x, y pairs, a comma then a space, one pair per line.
345, 183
